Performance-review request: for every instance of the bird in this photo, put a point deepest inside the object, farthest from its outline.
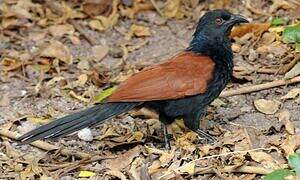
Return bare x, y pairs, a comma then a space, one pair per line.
181, 87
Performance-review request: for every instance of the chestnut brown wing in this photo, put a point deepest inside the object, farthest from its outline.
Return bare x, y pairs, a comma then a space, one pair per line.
184, 75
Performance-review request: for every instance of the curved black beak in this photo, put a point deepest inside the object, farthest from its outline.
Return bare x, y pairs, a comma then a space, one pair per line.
237, 19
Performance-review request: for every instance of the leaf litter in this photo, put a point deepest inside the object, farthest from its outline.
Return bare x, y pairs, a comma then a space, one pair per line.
67, 54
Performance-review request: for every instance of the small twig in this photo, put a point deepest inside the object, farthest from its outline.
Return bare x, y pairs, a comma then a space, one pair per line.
259, 87
289, 66
46, 146
259, 70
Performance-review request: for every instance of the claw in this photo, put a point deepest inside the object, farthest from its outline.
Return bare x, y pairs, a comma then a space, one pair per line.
209, 138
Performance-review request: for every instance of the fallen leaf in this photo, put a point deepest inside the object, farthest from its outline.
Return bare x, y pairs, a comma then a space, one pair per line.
137, 6
285, 117
110, 132
293, 93
278, 21
291, 34
117, 174
62, 29
78, 97
82, 79
86, 174
295, 71
289, 145
57, 50
188, 168
137, 135
123, 160
165, 157
9, 64
83, 64
256, 28
265, 159
280, 4
102, 23
104, 94
99, 52
97, 7
139, 31
172, 9
267, 106
39, 119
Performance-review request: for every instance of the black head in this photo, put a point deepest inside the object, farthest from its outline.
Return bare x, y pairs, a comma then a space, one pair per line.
217, 24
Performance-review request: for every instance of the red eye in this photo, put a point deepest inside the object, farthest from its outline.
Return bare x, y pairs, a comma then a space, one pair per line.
219, 21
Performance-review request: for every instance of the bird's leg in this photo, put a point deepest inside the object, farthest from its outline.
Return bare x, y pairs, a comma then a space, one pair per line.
164, 121
166, 138
193, 122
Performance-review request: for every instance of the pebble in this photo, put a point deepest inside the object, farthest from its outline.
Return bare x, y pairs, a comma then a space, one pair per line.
85, 134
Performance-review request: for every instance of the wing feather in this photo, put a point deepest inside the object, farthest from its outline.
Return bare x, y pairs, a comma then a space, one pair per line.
184, 75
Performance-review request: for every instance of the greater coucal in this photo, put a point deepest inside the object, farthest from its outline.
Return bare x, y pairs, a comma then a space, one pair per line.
181, 87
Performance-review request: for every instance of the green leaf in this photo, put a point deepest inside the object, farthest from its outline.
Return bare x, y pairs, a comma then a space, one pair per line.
294, 162
104, 94
278, 174
291, 34
278, 21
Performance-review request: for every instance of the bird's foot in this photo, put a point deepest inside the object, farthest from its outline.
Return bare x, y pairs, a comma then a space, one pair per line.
210, 139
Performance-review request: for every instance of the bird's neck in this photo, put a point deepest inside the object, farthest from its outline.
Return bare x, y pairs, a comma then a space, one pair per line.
217, 49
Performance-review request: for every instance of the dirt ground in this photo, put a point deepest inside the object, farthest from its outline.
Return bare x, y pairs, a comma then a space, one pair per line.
256, 131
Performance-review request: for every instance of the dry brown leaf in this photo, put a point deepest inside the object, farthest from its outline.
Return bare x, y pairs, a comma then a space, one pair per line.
295, 71
280, 4
293, 93
289, 145
97, 7
267, 106
57, 50
139, 31
165, 157
62, 29
268, 38
265, 159
123, 160
188, 168
137, 135
83, 64
82, 79
117, 174
78, 97
172, 9
99, 52
256, 28
276, 48
185, 141
285, 118
9, 64
137, 7
102, 23
110, 132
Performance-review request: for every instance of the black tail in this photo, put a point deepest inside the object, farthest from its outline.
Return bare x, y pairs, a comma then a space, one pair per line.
77, 121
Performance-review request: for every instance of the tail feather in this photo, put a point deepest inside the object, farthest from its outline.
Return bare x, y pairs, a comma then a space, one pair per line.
77, 121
